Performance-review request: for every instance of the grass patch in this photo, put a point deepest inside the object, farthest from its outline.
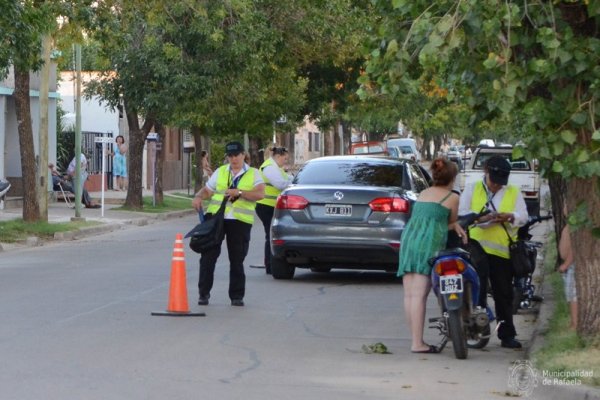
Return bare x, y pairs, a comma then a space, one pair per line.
17, 230
563, 350
177, 202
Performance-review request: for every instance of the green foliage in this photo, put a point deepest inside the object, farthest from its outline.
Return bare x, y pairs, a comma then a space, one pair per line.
65, 141
375, 348
536, 68
22, 26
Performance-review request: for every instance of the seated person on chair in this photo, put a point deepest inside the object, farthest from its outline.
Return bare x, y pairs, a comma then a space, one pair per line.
58, 181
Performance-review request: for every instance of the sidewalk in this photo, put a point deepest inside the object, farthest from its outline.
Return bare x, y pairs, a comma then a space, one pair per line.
109, 218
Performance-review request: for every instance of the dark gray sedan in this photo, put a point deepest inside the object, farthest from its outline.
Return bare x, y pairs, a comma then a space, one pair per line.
344, 212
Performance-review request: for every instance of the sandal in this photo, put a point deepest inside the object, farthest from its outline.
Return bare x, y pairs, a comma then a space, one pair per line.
431, 350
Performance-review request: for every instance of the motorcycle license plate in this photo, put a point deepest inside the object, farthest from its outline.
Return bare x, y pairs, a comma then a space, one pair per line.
451, 284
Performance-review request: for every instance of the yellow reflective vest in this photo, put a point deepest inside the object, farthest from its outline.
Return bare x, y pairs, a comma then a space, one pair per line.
494, 239
243, 210
271, 192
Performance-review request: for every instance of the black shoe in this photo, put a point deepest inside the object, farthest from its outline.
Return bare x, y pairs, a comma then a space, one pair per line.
511, 344
203, 301
237, 302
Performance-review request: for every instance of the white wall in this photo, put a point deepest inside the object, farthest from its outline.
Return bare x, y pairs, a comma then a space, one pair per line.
95, 117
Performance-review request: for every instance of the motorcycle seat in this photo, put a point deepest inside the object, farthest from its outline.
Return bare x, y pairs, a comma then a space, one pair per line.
456, 251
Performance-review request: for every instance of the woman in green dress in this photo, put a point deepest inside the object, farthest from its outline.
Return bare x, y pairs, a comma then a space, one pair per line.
434, 213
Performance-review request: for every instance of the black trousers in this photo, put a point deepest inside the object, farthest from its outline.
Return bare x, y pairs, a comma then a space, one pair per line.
501, 279
265, 213
237, 236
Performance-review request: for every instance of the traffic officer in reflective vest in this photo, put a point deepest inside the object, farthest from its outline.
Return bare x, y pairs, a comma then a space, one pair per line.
276, 179
509, 209
243, 185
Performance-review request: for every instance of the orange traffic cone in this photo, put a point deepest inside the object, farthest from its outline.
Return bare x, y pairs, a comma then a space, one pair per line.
178, 300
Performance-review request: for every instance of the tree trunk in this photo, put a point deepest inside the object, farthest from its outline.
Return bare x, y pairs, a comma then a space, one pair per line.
43, 129
137, 139
31, 212
199, 172
336, 137
254, 145
160, 161
328, 143
558, 194
347, 129
586, 248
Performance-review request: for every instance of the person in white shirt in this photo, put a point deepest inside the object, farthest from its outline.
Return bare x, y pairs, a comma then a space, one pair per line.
83, 174
508, 211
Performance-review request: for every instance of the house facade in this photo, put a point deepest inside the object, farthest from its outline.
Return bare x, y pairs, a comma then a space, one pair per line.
10, 155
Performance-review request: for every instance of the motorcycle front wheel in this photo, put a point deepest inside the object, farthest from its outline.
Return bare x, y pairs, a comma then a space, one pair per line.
457, 334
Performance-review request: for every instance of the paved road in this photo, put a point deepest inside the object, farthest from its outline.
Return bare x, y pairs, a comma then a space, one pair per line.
76, 324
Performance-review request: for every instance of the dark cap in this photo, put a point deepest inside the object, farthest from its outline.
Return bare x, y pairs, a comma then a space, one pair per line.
499, 169
234, 148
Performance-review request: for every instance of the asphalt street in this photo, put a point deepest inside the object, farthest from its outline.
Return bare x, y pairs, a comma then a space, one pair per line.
77, 324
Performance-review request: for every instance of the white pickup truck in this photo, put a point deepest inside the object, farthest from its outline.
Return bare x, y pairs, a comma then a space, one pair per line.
523, 174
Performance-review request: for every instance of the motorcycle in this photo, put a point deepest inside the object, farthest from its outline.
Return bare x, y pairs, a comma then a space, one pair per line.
456, 285
523, 288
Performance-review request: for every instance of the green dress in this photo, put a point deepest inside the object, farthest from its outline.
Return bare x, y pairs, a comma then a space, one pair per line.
424, 235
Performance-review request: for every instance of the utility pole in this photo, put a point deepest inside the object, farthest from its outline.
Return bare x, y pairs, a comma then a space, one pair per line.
42, 189
77, 180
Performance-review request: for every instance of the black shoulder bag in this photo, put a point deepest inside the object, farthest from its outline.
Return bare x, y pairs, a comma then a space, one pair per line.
208, 234
521, 262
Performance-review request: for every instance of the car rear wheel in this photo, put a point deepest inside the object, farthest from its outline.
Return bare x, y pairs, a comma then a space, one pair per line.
281, 269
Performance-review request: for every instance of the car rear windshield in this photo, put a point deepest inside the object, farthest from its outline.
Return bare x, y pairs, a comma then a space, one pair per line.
516, 165
351, 173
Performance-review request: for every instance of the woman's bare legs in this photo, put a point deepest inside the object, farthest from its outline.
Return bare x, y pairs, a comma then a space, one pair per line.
416, 290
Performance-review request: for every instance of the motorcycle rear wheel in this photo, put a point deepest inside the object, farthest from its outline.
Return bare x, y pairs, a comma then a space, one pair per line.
480, 342
456, 331
516, 301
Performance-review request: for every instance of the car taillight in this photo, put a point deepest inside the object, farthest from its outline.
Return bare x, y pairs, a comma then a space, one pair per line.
389, 204
451, 266
291, 202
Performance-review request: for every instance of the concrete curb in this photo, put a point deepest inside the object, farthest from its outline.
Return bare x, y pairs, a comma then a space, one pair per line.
81, 233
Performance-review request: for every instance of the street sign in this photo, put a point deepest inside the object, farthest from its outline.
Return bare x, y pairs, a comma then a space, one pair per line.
103, 139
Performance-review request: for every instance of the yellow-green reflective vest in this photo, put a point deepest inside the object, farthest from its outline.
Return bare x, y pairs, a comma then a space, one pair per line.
243, 210
271, 192
493, 239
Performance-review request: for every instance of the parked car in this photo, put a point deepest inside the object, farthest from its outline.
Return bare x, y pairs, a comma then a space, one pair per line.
523, 174
401, 142
454, 154
371, 147
404, 152
344, 212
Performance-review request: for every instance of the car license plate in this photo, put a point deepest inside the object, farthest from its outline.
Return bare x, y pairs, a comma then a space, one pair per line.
340, 210
451, 284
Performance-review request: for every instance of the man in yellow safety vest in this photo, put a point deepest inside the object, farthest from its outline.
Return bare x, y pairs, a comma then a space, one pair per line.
243, 186
508, 211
